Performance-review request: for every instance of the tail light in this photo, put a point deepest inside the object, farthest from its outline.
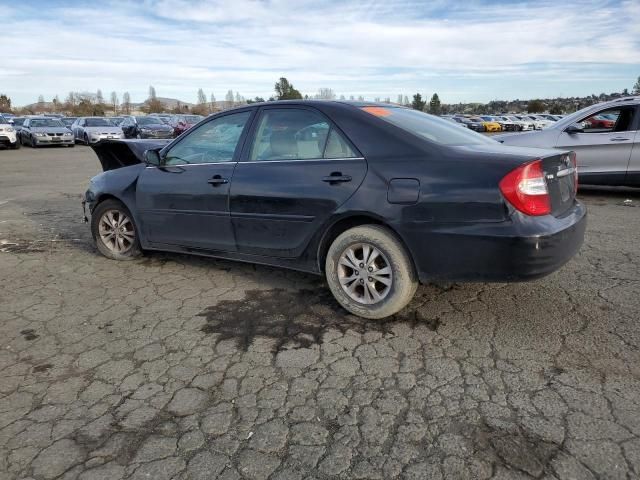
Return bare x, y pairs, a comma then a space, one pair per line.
526, 189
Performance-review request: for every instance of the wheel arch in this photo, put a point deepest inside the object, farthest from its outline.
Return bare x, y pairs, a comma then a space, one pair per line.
342, 224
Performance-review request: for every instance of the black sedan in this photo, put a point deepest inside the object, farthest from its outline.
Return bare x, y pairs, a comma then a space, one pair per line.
145, 127
377, 198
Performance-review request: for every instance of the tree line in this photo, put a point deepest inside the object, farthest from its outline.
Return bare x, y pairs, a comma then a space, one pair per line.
90, 104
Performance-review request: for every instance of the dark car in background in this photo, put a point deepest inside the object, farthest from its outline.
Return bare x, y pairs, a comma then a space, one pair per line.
182, 123
475, 123
146, 127
42, 131
68, 121
374, 197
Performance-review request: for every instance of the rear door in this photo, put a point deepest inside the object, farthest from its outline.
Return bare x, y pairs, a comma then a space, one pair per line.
185, 201
604, 147
293, 175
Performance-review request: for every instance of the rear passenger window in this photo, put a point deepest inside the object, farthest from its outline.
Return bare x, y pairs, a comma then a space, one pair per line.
337, 147
297, 134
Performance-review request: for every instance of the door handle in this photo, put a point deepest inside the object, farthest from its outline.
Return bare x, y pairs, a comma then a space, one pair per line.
336, 177
217, 180
620, 139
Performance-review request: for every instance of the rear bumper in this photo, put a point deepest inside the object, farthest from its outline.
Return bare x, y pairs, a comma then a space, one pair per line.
524, 248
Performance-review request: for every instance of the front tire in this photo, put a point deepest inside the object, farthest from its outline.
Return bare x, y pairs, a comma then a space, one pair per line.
369, 272
114, 231
86, 139
15, 146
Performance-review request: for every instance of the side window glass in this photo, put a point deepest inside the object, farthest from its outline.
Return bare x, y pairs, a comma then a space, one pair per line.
290, 134
215, 141
337, 146
605, 121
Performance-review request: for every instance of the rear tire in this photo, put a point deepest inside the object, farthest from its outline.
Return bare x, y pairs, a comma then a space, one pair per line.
86, 139
385, 281
114, 231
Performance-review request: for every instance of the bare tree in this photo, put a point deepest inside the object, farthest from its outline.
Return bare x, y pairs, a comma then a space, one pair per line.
114, 102
228, 99
99, 97
212, 106
202, 98
126, 103
325, 94
152, 92
399, 101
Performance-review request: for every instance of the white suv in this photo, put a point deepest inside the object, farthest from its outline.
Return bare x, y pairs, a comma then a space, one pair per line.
8, 136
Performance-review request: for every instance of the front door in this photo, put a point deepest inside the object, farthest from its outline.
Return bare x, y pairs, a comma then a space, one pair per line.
297, 171
184, 201
603, 148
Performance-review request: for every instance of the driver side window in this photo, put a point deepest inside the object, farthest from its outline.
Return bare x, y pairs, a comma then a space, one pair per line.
215, 141
618, 119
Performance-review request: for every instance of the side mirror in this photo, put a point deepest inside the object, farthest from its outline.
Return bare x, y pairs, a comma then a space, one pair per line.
573, 129
153, 157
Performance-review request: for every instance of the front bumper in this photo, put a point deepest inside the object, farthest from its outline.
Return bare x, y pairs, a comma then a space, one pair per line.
8, 138
49, 140
523, 248
158, 135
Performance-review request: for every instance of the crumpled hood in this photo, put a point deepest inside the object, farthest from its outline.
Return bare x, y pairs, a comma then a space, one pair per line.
122, 153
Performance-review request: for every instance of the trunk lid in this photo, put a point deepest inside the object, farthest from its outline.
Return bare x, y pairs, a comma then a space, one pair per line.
562, 181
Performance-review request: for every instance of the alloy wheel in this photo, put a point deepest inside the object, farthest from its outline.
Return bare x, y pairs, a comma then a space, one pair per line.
365, 274
116, 231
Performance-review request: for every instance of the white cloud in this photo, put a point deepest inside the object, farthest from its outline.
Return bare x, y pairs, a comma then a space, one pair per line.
377, 47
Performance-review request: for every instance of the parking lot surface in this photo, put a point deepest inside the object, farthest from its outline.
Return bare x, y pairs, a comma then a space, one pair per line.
176, 367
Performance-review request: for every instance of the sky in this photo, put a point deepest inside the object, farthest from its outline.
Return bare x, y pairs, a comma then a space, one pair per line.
465, 51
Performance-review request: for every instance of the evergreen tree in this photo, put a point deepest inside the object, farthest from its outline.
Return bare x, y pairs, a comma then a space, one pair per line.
434, 105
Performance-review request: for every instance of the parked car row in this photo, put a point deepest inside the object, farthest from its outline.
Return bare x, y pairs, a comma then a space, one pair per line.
504, 122
41, 130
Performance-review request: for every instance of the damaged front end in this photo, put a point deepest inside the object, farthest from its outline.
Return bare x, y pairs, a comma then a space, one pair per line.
117, 181
115, 154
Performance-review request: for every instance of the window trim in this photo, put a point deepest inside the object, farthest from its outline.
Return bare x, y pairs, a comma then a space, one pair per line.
251, 136
239, 147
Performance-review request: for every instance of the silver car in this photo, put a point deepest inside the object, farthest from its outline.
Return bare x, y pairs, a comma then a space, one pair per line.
605, 138
37, 132
90, 130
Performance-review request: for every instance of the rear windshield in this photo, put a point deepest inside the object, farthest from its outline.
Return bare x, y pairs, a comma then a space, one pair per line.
429, 127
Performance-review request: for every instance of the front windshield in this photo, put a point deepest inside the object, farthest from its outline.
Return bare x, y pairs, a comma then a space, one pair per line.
98, 122
3, 119
46, 122
148, 121
17, 122
427, 126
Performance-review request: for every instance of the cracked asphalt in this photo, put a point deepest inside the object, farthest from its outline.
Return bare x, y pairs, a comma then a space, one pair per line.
175, 367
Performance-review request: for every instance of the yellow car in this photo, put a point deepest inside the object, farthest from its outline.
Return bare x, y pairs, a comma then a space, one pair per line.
490, 125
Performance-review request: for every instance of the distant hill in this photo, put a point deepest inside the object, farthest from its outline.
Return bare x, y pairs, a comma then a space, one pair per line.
169, 102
